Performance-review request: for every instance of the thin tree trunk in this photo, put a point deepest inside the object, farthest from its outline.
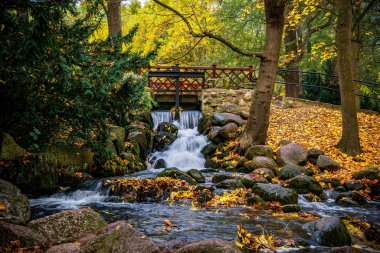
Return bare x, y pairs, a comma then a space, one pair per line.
114, 17
349, 142
355, 68
256, 129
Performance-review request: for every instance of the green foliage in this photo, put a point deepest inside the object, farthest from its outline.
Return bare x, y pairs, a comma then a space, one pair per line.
55, 85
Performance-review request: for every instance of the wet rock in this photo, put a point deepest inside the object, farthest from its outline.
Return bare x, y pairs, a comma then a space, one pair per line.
230, 184
372, 233
251, 179
167, 127
204, 124
332, 181
274, 192
291, 208
305, 184
10, 150
292, 153
313, 154
353, 185
255, 200
326, 163
116, 135
244, 115
312, 197
348, 249
214, 134
340, 189
14, 205
209, 150
261, 162
27, 237
350, 199
292, 170
239, 166
258, 150
118, 237
220, 177
213, 164
65, 248
72, 178
68, 226
375, 189
162, 140
160, 164
329, 231
229, 131
139, 138
197, 175
209, 246
230, 108
371, 174
221, 119
176, 173
267, 173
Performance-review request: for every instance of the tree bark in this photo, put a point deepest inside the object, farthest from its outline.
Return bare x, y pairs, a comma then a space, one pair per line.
291, 78
356, 68
114, 17
256, 129
349, 142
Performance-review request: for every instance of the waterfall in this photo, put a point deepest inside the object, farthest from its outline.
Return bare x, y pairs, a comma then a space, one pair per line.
185, 152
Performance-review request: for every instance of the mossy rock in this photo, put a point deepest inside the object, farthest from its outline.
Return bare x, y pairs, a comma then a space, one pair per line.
220, 177
259, 150
250, 180
305, 184
291, 208
167, 127
371, 174
292, 170
275, 192
230, 184
176, 173
162, 140
267, 173
254, 200
197, 175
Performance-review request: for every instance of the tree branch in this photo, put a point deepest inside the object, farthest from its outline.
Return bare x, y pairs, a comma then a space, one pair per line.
209, 34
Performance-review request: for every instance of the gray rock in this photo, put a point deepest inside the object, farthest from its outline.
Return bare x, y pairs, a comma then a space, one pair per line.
229, 131
261, 162
230, 184
332, 181
220, 177
204, 124
350, 199
259, 150
197, 175
274, 192
209, 246
176, 173
65, 248
67, 226
160, 164
167, 127
292, 153
244, 115
329, 231
16, 205
26, 236
326, 163
313, 154
292, 170
221, 119
214, 134
305, 184
353, 185
162, 140
291, 208
230, 108
251, 179
267, 173
209, 150
371, 174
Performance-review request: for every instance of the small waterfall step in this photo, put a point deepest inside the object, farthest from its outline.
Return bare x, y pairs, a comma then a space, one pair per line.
187, 119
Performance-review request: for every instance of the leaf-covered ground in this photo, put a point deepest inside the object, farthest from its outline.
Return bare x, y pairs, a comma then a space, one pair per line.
320, 127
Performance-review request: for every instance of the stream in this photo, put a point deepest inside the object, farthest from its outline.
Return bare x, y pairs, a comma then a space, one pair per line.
193, 224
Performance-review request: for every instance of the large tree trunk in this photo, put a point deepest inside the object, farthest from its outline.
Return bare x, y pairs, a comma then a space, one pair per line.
349, 142
291, 78
256, 129
114, 17
356, 68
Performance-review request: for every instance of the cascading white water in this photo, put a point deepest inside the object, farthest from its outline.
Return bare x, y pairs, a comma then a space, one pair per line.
162, 116
187, 119
185, 152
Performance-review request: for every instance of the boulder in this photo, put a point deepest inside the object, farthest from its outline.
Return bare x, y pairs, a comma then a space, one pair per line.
291, 208
209, 246
249, 180
313, 154
10, 150
292, 170
139, 138
160, 164
27, 237
214, 134
292, 153
371, 174
14, 206
68, 226
222, 119
350, 199
305, 184
118, 237
244, 115
197, 175
375, 189
332, 181
229, 131
146, 117
329, 231
259, 150
65, 248
167, 127
261, 162
267, 173
204, 124
162, 140
239, 166
255, 200
209, 150
72, 178
176, 173
326, 163
353, 185
230, 184
116, 134
230, 108
274, 192
220, 177
348, 249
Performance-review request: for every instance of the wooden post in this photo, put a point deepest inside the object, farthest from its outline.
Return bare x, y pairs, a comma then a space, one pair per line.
177, 85
213, 70
139, 71
250, 73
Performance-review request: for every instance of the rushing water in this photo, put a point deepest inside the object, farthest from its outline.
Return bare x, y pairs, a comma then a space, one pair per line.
185, 153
